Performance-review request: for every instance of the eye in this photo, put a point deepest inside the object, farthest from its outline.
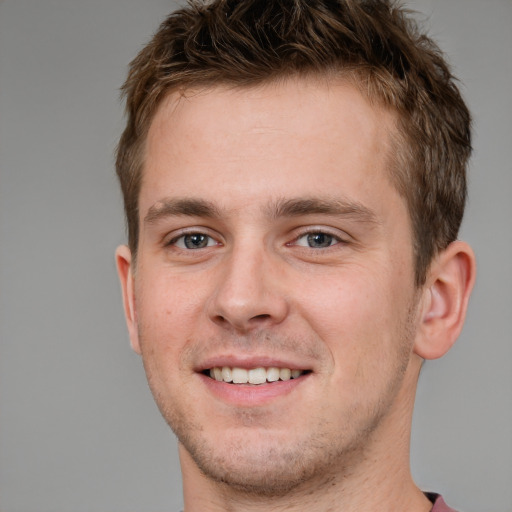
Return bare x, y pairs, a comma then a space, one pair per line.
317, 240
193, 241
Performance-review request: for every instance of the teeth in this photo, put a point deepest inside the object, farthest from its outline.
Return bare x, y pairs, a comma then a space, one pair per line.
226, 374
257, 376
239, 376
285, 374
273, 374
296, 373
253, 375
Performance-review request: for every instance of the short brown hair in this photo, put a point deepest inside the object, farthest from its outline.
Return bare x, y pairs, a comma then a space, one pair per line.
374, 43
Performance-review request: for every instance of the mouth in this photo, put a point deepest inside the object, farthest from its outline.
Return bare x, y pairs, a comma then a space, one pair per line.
253, 376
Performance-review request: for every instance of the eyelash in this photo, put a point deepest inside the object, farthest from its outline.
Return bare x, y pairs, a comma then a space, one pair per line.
332, 240
183, 236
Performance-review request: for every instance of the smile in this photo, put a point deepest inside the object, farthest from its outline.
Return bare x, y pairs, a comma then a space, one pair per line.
254, 376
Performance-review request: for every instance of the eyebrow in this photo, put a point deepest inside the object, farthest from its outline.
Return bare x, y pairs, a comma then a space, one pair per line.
322, 206
195, 207
191, 207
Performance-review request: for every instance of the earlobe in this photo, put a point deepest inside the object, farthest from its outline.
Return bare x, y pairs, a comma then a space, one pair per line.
124, 270
445, 300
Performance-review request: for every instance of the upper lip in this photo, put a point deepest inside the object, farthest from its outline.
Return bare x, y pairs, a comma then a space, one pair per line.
249, 362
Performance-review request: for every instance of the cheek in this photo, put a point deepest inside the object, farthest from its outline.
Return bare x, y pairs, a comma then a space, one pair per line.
345, 304
167, 317
358, 317
169, 302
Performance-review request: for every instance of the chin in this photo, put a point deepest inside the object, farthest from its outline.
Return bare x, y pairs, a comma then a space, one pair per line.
268, 464
265, 469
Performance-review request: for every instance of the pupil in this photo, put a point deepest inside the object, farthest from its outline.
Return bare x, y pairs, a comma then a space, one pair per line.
319, 240
196, 241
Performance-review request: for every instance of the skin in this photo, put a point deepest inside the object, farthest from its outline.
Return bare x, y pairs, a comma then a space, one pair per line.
251, 172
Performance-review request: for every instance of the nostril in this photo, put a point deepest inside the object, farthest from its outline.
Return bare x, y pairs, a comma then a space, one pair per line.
247, 312
252, 322
220, 319
260, 317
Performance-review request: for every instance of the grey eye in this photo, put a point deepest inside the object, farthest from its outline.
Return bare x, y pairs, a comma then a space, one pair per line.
316, 240
194, 241
319, 240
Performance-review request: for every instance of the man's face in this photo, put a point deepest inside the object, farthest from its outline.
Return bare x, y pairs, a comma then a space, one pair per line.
271, 238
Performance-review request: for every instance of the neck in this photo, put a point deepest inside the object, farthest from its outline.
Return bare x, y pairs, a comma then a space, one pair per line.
390, 492
376, 477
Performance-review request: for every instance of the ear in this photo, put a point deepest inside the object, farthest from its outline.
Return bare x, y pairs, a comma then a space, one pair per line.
445, 300
124, 270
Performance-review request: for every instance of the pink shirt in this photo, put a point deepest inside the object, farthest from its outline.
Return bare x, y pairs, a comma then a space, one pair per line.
439, 504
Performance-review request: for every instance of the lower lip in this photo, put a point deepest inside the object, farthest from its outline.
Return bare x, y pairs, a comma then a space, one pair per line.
250, 395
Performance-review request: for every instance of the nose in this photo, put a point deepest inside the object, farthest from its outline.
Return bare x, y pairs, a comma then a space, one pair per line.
249, 292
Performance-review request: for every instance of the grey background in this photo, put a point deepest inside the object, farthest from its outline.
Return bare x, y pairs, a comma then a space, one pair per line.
78, 428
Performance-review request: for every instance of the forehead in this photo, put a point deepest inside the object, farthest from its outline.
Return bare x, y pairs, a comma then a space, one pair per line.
273, 139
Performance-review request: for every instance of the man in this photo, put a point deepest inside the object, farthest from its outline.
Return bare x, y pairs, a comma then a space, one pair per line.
294, 181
